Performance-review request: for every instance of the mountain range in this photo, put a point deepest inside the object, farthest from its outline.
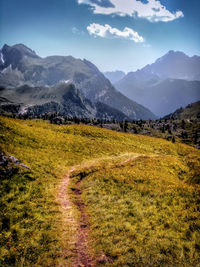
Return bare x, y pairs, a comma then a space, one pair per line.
114, 76
166, 85
47, 80
76, 87
63, 98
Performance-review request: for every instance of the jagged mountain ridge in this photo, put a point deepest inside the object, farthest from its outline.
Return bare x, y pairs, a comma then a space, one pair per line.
28, 68
175, 65
161, 86
63, 98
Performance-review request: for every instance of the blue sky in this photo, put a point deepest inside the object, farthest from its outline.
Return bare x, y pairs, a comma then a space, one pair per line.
113, 34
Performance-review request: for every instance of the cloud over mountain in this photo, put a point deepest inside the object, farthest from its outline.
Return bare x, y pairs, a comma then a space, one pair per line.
106, 31
152, 10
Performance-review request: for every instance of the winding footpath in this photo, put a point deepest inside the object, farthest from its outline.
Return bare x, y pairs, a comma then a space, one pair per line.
82, 256
81, 240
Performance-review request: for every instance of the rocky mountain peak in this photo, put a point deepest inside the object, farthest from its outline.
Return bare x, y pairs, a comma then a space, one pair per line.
24, 50
50, 71
12, 55
173, 55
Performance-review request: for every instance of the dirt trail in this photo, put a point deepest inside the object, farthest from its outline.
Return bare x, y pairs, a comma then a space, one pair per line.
130, 159
81, 240
68, 219
83, 259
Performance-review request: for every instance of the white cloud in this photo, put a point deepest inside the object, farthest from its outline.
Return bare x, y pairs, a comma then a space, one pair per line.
107, 31
153, 10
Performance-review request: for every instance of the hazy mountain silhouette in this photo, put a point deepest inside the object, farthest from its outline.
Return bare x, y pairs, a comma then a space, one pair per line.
114, 76
169, 83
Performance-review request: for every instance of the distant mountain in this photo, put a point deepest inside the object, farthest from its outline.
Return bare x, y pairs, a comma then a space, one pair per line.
192, 111
164, 85
162, 96
114, 76
20, 65
176, 65
63, 98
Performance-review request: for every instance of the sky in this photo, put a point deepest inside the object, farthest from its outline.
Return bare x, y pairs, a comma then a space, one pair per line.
113, 34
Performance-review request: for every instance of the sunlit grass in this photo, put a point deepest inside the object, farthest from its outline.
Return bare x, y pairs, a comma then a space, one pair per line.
31, 224
142, 213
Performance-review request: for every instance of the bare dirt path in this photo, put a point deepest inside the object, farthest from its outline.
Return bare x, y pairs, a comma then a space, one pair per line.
82, 256
69, 223
81, 239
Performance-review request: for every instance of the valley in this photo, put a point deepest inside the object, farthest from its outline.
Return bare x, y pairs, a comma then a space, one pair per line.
90, 177
99, 133
171, 82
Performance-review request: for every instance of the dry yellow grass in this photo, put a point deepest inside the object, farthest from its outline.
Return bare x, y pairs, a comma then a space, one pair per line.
33, 234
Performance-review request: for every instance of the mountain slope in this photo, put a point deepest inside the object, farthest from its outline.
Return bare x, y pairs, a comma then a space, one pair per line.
165, 85
104, 111
63, 98
176, 65
25, 67
114, 76
192, 111
14, 54
162, 96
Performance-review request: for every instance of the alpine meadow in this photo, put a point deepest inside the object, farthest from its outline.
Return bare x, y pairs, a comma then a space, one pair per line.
99, 133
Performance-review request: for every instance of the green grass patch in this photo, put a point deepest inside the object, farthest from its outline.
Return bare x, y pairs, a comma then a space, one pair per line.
143, 213
31, 222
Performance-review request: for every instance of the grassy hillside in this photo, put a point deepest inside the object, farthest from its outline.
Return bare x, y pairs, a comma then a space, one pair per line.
143, 214
142, 210
192, 111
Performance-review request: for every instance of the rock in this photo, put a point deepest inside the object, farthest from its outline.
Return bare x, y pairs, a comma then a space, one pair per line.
24, 166
16, 161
